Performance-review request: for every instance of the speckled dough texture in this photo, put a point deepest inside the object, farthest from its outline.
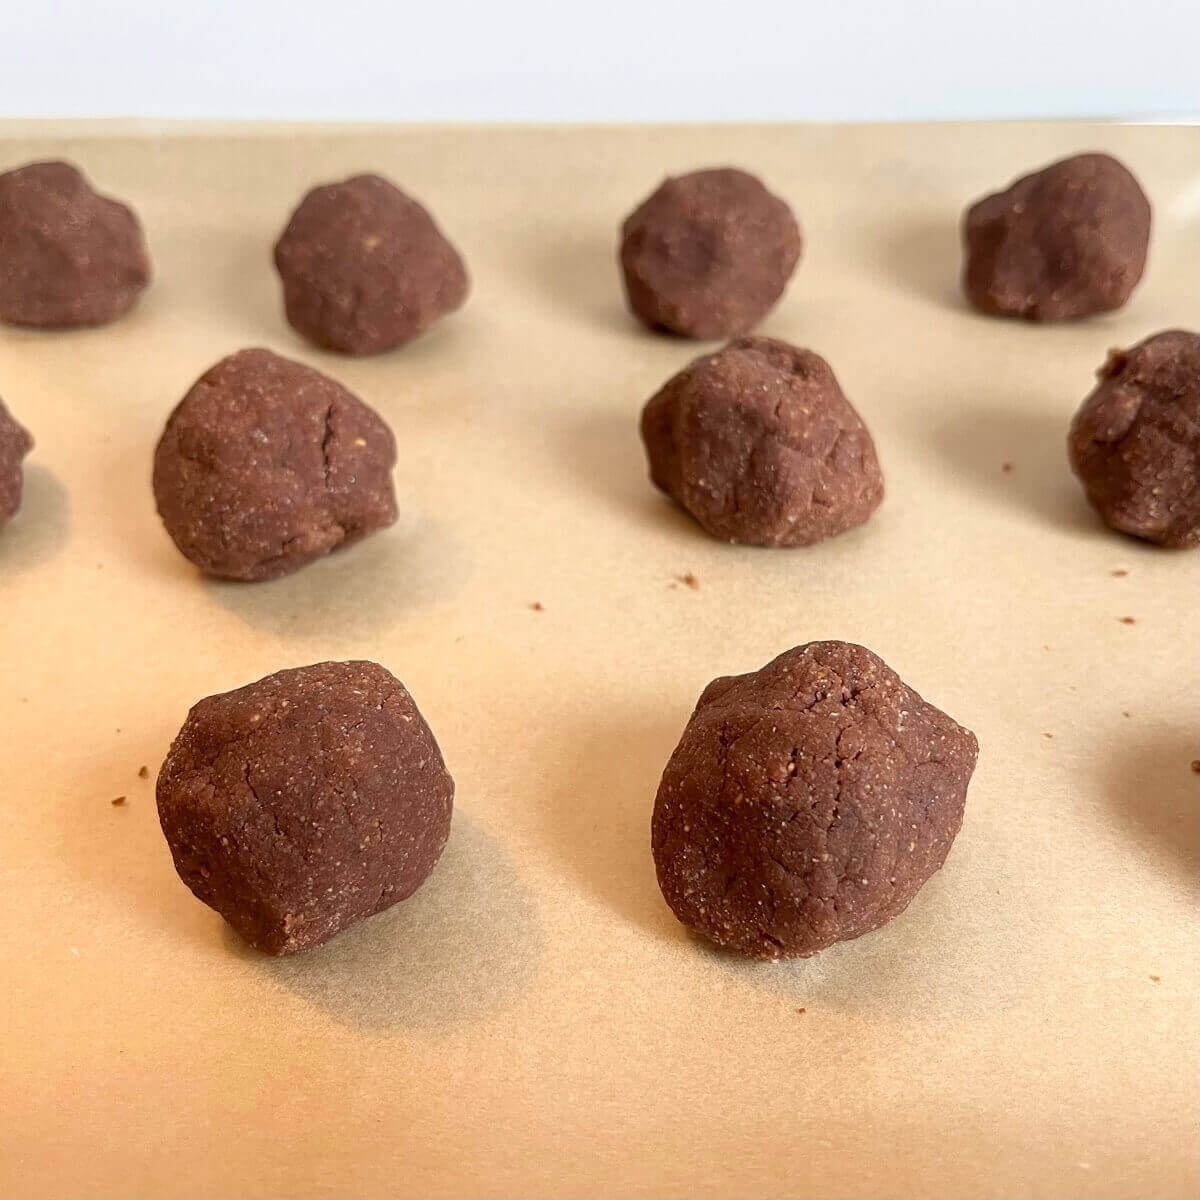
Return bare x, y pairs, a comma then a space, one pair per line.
68, 256
759, 444
1067, 241
365, 268
1135, 442
807, 802
15, 443
266, 465
300, 804
708, 254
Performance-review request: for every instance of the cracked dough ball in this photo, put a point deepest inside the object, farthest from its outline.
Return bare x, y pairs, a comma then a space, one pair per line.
807, 802
1135, 443
1067, 241
266, 465
300, 804
68, 256
759, 444
365, 268
708, 254
15, 443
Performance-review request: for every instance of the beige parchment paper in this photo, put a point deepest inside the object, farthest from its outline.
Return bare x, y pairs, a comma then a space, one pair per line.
534, 1022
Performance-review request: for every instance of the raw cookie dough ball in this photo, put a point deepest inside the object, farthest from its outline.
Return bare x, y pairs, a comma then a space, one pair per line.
365, 268
758, 443
1068, 241
266, 465
68, 256
300, 804
708, 254
807, 802
1135, 443
15, 443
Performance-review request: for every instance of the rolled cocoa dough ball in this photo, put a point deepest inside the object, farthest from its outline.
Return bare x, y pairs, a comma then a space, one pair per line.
759, 444
365, 268
266, 465
807, 802
1067, 241
1135, 443
300, 804
68, 256
708, 254
15, 443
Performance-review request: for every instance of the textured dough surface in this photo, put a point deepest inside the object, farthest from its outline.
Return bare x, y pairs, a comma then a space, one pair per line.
365, 267
760, 445
1135, 442
1067, 241
266, 465
708, 254
68, 256
15, 443
807, 802
300, 804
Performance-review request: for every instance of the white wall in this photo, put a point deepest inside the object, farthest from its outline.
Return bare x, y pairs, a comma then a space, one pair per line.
612, 59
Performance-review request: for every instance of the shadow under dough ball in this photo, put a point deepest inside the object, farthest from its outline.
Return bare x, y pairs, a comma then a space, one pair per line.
15, 443
266, 465
708, 254
1135, 442
1067, 241
807, 802
365, 268
300, 804
759, 444
68, 256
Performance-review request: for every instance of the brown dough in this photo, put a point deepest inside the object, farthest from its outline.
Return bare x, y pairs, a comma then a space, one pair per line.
68, 256
807, 802
708, 254
1067, 241
300, 804
15, 443
1135, 443
266, 465
759, 444
365, 268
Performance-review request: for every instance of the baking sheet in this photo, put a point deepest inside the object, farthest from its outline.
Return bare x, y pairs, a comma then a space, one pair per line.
534, 1021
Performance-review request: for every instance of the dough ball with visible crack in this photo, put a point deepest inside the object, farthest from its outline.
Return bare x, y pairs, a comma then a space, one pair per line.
1135, 442
1067, 241
15, 443
708, 254
365, 268
266, 465
68, 256
807, 802
300, 804
759, 444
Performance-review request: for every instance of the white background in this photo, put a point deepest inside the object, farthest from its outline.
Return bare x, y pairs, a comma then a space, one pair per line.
614, 60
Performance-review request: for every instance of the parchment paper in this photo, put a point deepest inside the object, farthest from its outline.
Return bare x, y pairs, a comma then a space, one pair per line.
534, 1022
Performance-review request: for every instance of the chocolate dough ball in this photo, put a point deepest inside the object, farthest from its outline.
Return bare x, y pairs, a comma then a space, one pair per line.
708, 254
266, 465
807, 802
758, 443
300, 804
1135, 443
1067, 241
365, 268
68, 256
15, 443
